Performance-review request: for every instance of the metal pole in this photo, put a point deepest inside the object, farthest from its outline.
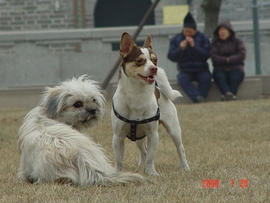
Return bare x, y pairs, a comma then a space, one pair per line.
135, 35
256, 38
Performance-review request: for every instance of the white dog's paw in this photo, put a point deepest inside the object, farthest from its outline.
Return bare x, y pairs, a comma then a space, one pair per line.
117, 169
185, 168
151, 172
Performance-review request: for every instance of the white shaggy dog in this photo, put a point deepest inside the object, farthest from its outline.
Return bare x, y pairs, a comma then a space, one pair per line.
51, 146
139, 105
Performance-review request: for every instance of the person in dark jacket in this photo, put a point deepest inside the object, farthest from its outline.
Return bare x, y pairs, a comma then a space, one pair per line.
190, 49
227, 54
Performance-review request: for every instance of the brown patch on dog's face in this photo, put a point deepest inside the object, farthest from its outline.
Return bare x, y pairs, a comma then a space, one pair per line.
138, 62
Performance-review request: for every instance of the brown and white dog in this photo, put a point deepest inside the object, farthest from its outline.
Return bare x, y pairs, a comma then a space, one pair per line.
142, 100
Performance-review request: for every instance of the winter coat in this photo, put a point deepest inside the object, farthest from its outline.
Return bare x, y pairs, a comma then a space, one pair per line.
191, 59
227, 54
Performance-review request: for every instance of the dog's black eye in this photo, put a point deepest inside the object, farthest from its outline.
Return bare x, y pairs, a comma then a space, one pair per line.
154, 60
139, 61
78, 104
94, 100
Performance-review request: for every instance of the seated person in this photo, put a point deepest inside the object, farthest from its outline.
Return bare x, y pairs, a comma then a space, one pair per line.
190, 49
228, 54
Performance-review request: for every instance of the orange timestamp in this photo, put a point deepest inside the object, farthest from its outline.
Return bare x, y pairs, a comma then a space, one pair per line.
210, 183
243, 183
215, 183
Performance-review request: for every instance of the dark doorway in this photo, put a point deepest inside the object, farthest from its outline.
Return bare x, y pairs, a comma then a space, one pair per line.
112, 13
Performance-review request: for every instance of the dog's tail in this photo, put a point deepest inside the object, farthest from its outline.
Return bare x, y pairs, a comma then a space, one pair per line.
95, 168
118, 178
164, 85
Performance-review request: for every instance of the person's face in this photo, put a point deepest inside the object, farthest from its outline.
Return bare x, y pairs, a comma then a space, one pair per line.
223, 33
189, 32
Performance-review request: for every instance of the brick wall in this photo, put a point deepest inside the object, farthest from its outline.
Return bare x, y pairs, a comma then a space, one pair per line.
35, 15
16, 15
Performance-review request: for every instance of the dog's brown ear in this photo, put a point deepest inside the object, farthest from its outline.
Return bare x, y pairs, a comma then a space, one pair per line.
53, 101
148, 42
126, 45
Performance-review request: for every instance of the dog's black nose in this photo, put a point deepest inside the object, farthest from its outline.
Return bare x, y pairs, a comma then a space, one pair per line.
92, 111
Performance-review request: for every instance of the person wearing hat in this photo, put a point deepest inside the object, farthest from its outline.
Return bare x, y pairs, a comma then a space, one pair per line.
190, 49
227, 54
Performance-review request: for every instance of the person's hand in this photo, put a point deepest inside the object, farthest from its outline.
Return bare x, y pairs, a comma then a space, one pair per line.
183, 44
190, 41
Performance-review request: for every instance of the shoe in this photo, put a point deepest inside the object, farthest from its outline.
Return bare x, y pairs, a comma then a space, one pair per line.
229, 96
222, 98
199, 99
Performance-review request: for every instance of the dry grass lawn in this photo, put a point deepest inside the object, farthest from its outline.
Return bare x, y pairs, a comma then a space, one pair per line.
223, 141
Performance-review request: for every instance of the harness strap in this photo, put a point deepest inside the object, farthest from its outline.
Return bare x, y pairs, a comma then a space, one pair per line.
133, 132
133, 123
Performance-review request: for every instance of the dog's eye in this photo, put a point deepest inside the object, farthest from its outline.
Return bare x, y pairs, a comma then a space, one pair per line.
154, 60
78, 104
94, 100
139, 61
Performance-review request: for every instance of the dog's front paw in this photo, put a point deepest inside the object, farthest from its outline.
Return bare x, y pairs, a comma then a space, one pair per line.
185, 168
151, 172
118, 169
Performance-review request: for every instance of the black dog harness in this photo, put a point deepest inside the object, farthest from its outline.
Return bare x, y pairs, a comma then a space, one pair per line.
133, 123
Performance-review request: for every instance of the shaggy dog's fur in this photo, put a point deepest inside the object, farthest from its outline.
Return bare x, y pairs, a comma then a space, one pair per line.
53, 149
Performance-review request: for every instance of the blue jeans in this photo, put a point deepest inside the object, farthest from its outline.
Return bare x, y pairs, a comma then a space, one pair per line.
204, 81
228, 81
